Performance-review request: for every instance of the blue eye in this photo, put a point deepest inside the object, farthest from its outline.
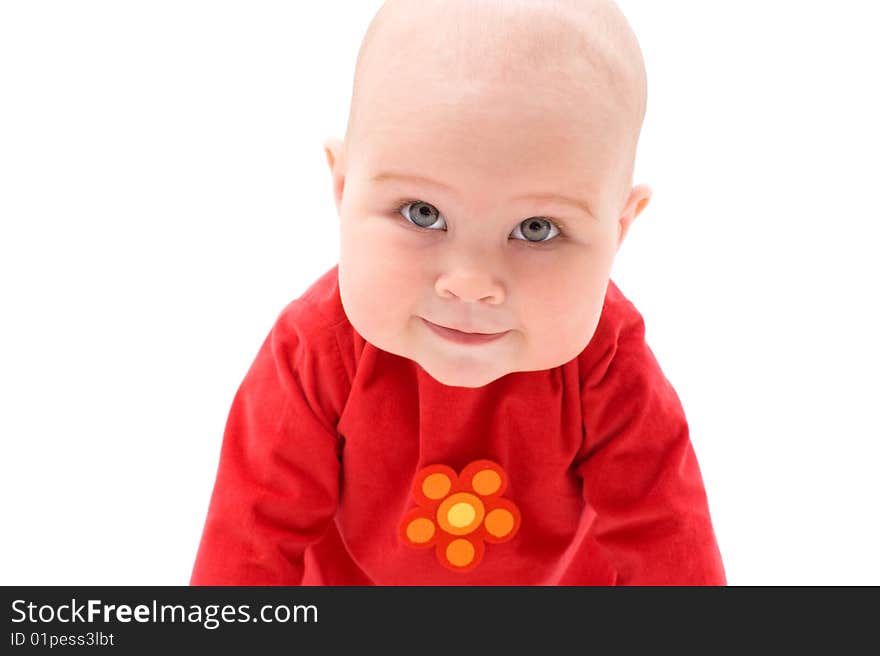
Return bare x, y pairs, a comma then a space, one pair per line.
534, 230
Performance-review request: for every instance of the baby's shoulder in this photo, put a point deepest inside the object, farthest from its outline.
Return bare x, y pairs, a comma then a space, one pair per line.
317, 312
620, 330
318, 326
311, 336
619, 315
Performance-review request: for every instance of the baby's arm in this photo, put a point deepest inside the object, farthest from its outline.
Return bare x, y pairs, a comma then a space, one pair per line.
640, 473
277, 482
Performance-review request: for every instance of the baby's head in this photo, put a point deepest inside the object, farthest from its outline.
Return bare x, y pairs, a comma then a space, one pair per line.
470, 121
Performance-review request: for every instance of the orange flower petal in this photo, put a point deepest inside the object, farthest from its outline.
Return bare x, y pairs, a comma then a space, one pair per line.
485, 477
417, 529
499, 522
502, 521
460, 554
432, 483
486, 482
421, 530
436, 485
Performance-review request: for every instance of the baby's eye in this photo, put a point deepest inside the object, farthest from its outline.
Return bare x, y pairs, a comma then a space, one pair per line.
425, 215
535, 229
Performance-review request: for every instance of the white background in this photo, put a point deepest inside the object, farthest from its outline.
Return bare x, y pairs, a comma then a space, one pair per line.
164, 194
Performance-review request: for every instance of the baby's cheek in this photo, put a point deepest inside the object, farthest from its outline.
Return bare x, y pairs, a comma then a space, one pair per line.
560, 328
377, 287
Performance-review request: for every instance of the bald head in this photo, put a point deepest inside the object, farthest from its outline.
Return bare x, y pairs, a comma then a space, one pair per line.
579, 58
584, 46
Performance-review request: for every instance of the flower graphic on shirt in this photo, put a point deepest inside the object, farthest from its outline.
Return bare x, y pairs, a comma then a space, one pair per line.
457, 513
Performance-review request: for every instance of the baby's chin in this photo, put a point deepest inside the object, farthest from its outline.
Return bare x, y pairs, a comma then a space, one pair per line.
458, 377
461, 370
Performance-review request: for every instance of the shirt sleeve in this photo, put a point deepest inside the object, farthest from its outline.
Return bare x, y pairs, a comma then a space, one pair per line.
639, 471
276, 488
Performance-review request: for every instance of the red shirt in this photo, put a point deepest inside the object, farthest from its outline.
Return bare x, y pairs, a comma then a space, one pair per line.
343, 464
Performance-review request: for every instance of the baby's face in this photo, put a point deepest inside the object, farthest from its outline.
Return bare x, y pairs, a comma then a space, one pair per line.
484, 208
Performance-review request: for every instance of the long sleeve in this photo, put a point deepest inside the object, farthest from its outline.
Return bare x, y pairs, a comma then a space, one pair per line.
276, 488
639, 471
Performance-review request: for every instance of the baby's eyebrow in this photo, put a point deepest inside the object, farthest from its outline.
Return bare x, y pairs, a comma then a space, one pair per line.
582, 205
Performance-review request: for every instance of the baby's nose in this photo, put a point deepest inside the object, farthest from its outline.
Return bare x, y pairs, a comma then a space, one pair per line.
470, 287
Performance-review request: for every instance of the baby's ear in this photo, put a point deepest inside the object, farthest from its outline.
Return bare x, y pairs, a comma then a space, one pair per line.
638, 200
332, 148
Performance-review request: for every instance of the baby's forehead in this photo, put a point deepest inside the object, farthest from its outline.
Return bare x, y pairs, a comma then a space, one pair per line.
540, 51
442, 119
487, 40
484, 163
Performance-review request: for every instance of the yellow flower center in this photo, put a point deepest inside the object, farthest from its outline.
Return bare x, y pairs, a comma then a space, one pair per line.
461, 514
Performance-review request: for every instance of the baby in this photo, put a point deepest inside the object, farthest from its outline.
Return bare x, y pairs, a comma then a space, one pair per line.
467, 398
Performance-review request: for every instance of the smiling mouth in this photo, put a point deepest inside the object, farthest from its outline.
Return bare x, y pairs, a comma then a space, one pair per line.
461, 337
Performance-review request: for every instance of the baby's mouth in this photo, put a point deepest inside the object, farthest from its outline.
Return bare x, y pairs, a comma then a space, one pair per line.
461, 336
